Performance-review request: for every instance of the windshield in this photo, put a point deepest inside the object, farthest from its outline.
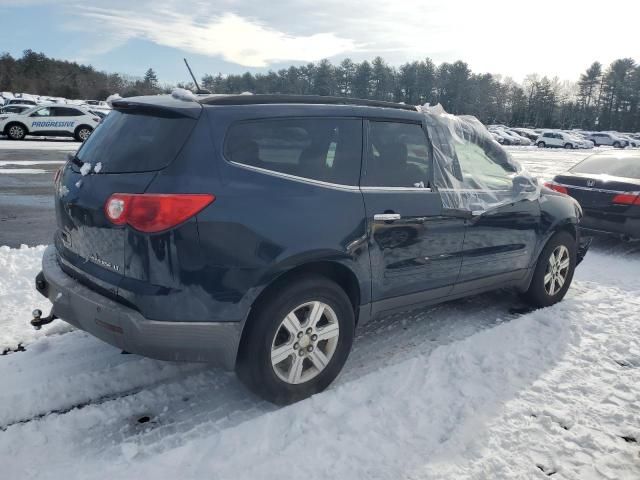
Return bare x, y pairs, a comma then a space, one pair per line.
627, 166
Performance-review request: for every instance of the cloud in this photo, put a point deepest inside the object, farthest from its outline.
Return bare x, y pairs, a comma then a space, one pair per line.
229, 35
550, 37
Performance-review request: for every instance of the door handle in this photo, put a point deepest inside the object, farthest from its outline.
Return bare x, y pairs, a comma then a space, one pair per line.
387, 217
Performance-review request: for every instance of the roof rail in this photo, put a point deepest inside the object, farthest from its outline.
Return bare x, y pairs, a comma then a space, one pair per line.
300, 99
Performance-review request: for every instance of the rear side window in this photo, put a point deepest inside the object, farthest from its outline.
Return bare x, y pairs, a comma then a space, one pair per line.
325, 149
397, 156
136, 141
618, 166
66, 112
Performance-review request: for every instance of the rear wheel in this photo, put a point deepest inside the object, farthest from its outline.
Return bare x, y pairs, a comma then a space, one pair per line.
541, 144
297, 341
554, 271
568, 146
82, 133
616, 144
16, 132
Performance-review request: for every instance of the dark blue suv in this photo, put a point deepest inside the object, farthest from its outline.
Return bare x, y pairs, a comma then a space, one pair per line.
257, 232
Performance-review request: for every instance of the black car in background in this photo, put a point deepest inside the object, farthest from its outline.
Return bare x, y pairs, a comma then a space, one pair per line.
607, 186
257, 231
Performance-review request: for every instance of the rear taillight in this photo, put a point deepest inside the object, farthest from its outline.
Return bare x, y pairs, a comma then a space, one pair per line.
154, 212
629, 198
556, 187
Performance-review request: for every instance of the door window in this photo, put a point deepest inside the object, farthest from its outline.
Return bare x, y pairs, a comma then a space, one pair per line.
325, 149
481, 170
42, 112
66, 112
397, 156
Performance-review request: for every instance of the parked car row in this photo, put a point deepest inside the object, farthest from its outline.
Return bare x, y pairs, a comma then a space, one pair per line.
9, 99
549, 138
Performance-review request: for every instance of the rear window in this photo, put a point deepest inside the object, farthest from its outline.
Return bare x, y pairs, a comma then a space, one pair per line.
618, 166
326, 149
136, 141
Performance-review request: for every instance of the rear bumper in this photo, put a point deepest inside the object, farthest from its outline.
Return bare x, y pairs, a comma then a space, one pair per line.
127, 329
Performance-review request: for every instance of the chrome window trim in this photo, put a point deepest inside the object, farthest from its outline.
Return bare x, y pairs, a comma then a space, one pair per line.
395, 189
320, 183
295, 178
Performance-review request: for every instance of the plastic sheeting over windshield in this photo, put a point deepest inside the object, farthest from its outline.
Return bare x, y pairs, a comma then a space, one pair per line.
472, 171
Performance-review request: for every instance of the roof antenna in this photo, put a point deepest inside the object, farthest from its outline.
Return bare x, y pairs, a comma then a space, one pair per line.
198, 89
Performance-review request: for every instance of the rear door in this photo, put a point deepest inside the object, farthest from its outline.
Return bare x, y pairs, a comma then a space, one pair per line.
414, 244
69, 118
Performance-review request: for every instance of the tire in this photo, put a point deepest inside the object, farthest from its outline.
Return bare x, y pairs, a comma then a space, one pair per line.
568, 146
541, 144
15, 131
616, 144
82, 133
275, 379
542, 292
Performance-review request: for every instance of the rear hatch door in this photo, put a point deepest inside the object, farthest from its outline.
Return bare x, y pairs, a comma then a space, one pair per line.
123, 155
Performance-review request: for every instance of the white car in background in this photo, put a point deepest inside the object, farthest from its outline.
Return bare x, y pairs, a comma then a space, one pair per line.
632, 142
559, 140
21, 101
50, 120
98, 103
607, 138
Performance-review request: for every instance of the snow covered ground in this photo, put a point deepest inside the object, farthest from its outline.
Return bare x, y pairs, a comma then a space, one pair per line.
469, 389
39, 143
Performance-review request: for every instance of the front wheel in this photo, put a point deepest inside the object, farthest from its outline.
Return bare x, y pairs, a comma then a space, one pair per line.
568, 146
616, 145
297, 341
17, 132
553, 272
541, 145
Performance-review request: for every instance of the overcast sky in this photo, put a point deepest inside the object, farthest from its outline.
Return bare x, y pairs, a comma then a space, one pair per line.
512, 38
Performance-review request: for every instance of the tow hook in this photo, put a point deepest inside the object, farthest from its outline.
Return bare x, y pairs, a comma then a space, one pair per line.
37, 321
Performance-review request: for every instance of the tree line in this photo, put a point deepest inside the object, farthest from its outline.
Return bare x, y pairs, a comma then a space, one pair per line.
38, 74
602, 98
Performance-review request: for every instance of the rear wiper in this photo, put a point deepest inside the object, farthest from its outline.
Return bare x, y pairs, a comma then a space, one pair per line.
72, 157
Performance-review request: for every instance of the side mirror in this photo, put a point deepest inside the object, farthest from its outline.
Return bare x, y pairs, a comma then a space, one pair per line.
523, 184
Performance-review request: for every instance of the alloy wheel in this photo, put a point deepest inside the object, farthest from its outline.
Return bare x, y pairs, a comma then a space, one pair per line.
557, 270
305, 342
16, 132
84, 134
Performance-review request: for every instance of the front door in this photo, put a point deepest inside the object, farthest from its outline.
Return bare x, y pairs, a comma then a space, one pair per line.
501, 236
415, 248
